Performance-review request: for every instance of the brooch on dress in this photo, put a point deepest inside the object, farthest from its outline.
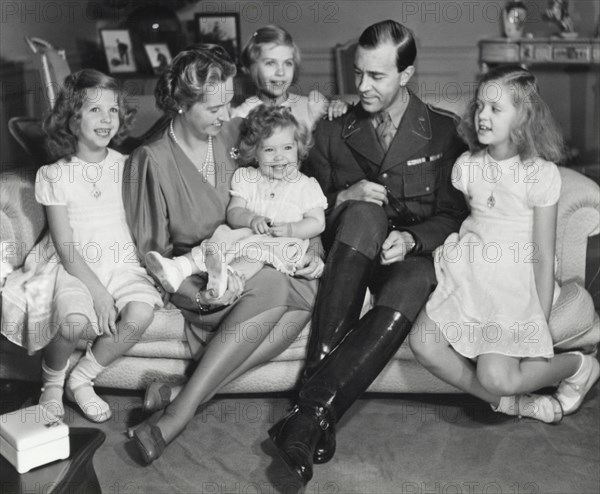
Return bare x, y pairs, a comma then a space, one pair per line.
234, 153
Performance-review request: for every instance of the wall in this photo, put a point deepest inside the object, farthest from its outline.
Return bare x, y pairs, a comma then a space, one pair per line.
447, 32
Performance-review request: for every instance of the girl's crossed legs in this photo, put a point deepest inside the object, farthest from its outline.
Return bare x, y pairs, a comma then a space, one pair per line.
500, 380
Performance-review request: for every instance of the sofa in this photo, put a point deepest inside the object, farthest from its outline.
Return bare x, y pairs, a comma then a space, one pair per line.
163, 353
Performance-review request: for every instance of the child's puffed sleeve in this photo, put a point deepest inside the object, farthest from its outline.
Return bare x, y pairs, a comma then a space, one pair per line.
462, 172
312, 195
543, 183
49, 186
243, 181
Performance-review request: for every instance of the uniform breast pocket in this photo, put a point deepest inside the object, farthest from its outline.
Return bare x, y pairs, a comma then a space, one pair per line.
420, 181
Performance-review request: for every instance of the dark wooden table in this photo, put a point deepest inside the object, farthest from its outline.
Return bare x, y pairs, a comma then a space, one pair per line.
75, 475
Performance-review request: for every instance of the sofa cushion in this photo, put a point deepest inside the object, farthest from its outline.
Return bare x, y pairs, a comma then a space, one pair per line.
22, 219
573, 321
573, 325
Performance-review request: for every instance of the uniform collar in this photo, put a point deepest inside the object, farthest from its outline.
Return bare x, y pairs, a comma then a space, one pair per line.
413, 133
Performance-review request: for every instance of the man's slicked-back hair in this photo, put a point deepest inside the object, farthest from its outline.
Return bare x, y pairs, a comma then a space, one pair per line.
393, 32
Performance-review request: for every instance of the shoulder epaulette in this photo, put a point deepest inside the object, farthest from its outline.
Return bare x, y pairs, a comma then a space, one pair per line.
444, 112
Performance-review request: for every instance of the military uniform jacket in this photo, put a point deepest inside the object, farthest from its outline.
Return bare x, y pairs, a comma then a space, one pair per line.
416, 169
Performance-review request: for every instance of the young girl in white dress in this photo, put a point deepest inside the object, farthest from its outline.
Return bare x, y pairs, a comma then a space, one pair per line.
89, 274
274, 209
273, 61
485, 327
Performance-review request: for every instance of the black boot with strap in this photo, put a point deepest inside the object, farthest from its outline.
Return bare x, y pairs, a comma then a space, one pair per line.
341, 379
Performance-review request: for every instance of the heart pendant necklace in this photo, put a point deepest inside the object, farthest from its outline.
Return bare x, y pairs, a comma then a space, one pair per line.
491, 200
96, 192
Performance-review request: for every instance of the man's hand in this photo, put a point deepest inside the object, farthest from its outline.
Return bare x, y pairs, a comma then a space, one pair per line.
396, 246
235, 287
363, 191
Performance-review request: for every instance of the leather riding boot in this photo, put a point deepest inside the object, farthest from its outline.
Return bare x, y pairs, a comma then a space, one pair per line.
341, 294
352, 367
296, 436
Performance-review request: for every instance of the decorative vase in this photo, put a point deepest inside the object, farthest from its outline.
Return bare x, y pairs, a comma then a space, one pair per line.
513, 19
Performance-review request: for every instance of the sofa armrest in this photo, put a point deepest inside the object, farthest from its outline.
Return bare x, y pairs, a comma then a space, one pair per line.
578, 219
22, 218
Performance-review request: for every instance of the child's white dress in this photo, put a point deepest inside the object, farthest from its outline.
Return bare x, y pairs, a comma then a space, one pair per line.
283, 201
486, 299
306, 109
42, 293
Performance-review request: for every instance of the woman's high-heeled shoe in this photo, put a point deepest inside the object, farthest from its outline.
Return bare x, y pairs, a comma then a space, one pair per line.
148, 438
152, 420
157, 397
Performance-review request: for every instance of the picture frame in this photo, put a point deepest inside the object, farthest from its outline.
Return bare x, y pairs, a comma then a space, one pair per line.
159, 56
118, 50
220, 29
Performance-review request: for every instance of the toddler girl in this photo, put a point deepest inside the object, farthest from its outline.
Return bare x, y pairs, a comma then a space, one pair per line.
485, 328
273, 61
88, 280
274, 208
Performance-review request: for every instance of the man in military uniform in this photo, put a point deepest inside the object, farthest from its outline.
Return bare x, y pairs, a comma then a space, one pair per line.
386, 170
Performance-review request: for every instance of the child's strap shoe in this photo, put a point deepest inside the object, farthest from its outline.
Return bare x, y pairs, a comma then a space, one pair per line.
80, 389
52, 389
572, 390
540, 407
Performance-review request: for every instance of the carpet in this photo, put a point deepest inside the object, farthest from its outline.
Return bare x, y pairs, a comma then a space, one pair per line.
409, 444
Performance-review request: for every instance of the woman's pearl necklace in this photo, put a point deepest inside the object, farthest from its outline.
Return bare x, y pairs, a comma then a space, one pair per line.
210, 157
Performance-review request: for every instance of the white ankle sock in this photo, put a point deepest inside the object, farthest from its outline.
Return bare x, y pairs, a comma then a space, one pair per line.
52, 389
80, 388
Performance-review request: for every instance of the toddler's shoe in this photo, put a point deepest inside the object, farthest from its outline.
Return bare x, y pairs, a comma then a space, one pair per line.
167, 271
572, 390
216, 269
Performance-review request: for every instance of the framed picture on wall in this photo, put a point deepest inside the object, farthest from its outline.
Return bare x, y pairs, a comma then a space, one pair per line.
221, 29
159, 56
118, 50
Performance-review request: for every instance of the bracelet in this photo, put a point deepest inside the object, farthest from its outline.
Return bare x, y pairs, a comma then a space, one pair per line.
416, 247
203, 308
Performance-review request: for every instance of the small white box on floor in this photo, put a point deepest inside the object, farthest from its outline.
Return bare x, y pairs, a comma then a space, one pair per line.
31, 437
